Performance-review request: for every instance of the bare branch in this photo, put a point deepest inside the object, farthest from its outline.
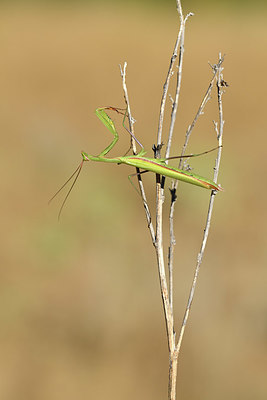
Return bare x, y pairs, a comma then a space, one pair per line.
199, 112
168, 297
131, 126
170, 73
167, 303
218, 68
178, 83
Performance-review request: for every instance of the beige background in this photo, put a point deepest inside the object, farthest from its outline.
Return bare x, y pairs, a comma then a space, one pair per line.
80, 308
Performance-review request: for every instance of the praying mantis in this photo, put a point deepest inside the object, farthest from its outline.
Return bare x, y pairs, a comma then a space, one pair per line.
156, 165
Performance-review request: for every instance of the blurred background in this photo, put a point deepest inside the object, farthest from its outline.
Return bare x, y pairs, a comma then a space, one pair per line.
80, 308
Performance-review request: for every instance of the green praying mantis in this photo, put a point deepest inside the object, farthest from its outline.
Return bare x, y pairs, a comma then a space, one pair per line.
156, 165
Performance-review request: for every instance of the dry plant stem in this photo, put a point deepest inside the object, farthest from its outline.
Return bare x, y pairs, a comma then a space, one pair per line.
170, 71
166, 298
219, 130
157, 239
199, 112
158, 246
167, 304
133, 144
206, 98
166, 88
178, 81
162, 275
173, 119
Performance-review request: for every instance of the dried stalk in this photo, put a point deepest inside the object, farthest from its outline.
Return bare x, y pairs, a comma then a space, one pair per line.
167, 295
219, 131
133, 145
171, 129
199, 112
157, 238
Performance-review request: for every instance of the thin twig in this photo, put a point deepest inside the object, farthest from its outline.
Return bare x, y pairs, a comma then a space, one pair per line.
159, 247
167, 297
131, 126
169, 74
157, 240
217, 68
178, 83
171, 129
173, 189
163, 280
167, 303
200, 110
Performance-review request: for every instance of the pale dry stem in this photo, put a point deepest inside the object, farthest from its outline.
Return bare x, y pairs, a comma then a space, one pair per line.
199, 112
166, 287
165, 292
219, 130
133, 144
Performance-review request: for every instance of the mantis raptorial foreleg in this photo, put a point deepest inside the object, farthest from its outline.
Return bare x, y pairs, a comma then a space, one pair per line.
118, 110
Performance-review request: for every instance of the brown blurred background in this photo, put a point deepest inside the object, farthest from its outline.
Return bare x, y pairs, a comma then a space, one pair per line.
81, 314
